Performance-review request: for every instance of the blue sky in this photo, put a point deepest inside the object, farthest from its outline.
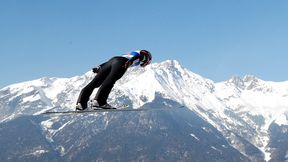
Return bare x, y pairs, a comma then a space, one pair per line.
216, 39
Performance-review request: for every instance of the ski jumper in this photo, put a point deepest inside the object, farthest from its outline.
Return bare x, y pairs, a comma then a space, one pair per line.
109, 73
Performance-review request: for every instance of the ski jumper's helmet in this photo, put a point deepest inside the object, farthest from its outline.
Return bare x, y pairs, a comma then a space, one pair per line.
147, 57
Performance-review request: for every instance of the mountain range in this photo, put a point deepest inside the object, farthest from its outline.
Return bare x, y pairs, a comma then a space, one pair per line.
241, 119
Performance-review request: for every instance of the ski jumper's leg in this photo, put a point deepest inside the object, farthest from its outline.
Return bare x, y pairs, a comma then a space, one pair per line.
95, 83
116, 72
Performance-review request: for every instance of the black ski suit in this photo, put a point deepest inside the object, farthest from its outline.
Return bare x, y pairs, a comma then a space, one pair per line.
106, 77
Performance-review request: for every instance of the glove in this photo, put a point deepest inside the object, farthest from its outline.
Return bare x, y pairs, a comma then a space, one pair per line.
96, 69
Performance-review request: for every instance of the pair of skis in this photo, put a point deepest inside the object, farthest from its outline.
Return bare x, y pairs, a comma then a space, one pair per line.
96, 110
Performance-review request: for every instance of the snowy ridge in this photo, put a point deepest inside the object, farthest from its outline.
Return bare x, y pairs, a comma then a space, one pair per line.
255, 96
239, 108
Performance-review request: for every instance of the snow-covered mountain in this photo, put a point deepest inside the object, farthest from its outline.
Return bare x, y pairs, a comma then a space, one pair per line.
247, 116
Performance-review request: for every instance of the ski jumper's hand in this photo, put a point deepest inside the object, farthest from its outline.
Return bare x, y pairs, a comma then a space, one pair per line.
96, 69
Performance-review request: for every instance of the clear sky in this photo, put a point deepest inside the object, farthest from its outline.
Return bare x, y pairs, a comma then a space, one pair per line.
217, 39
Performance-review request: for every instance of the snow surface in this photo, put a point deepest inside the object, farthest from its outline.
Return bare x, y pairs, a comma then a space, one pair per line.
282, 120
